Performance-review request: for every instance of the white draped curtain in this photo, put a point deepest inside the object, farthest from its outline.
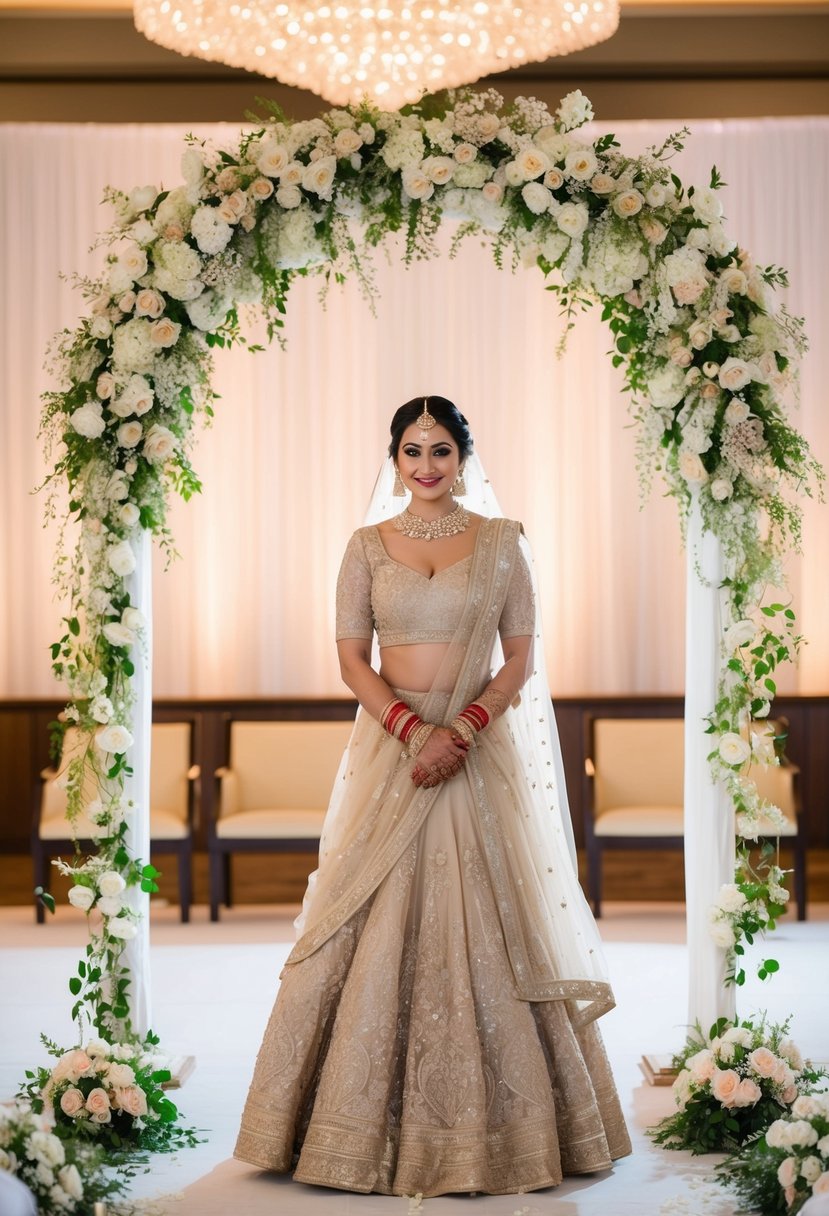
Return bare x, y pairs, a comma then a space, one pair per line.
288, 463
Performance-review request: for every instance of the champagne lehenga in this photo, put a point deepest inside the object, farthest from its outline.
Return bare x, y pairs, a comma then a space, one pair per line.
434, 1030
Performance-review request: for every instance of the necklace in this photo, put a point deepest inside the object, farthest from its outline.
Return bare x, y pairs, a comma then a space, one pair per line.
424, 529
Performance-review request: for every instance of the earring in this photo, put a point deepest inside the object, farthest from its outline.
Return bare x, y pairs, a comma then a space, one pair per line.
399, 490
459, 487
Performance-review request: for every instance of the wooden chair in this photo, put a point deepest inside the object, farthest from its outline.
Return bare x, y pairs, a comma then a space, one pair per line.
273, 794
633, 795
172, 808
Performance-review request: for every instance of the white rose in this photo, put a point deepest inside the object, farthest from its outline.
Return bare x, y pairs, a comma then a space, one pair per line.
114, 740
721, 243
159, 444
656, 194
81, 897
738, 1034
120, 1075
531, 163
88, 420
117, 634
553, 179
292, 173
288, 197
580, 164
699, 334
318, 178
692, 468
129, 514
735, 374
260, 189
133, 618
465, 153
629, 202
537, 197
347, 142
731, 899
572, 218
272, 158
149, 303
706, 205
416, 183
653, 230
823, 1148
734, 281
121, 558
811, 1169
123, 929
101, 710
574, 110
111, 883
733, 749
101, 327
603, 183
142, 197
513, 175
109, 905
129, 434
493, 192
165, 332
721, 489
722, 934
487, 127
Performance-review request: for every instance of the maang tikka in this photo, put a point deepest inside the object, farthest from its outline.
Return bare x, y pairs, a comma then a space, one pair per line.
426, 421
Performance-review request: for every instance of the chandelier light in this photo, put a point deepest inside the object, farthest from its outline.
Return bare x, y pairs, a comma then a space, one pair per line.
389, 51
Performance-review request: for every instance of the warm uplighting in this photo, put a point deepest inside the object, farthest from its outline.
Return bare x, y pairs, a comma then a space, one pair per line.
390, 51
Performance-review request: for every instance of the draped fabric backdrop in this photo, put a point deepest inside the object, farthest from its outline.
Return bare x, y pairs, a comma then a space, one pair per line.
298, 436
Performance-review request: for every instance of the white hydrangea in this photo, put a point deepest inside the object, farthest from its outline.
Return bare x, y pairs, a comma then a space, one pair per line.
209, 230
614, 263
88, 420
297, 244
666, 387
208, 311
132, 347
403, 147
574, 110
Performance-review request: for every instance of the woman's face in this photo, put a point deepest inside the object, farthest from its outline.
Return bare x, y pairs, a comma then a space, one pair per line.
429, 468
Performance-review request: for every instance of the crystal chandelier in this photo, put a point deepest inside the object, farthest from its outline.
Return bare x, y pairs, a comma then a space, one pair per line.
390, 51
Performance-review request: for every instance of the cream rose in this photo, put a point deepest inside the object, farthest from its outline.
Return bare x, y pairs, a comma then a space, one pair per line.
531, 163
129, 514
416, 182
165, 332
260, 189
105, 385
114, 740
487, 127
129, 434
318, 178
748, 1093
733, 749
439, 169
629, 202
288, 197
721, 489
272, 158
724, 1085
149, 303
72, 1102
346, 143
134, 261
603, 183
692, 468
701, 1066
159, 444
120, 1075
811, 1169
465, 153
553, 179
81, 897
581, 164
821, 1184
493, 192
735, 374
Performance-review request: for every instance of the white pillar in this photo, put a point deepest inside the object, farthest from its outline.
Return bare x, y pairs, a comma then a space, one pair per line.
709, 817
137, 787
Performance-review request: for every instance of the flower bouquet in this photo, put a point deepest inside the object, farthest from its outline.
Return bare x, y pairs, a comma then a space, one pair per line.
780, 1171
733, 1084
110, 1093
63, 1176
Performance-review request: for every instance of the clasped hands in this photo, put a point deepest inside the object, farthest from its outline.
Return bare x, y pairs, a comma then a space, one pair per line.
442, 756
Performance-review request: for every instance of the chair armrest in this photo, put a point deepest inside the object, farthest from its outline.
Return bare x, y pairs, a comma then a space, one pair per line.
222, 772
227, 802
194, 772
48, 774
589, 767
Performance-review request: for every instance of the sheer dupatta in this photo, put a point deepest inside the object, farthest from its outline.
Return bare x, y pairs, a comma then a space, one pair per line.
376, 810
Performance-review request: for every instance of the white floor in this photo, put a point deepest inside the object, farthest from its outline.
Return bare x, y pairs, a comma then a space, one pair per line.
213, 987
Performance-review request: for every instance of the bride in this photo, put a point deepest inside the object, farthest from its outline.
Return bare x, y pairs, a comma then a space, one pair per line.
435, 1026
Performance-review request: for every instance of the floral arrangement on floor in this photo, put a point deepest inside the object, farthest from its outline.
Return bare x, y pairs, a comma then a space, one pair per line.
110, 1093
733, 1084
64, 1176
778, 1172
707, 358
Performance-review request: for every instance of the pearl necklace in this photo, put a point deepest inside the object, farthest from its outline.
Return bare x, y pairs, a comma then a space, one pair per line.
425, 529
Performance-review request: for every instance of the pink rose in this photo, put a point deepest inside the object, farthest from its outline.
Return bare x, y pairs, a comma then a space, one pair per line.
97, 1103
72, 1102
789, 1094
821, 1184
725, 1083
787, 1171
764, 1062
131, 1100
701, 1066
748, 1093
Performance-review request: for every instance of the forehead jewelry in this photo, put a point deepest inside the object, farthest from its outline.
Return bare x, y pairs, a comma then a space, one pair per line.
425, 421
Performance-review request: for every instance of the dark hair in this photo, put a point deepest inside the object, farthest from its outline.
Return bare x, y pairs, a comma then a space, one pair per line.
443, 411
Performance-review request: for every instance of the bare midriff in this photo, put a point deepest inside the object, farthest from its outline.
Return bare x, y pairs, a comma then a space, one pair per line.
413, 667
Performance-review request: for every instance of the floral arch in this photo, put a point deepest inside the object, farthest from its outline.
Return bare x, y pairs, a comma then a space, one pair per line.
706, 358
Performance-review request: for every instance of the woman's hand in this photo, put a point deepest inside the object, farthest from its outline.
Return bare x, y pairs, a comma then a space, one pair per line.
443, 756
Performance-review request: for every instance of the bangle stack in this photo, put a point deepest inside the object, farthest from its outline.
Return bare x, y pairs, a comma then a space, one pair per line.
478, 715
404, 724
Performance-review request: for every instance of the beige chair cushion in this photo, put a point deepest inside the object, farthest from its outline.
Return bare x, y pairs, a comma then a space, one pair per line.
640, 821
275, 824
163, 826
290, 765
